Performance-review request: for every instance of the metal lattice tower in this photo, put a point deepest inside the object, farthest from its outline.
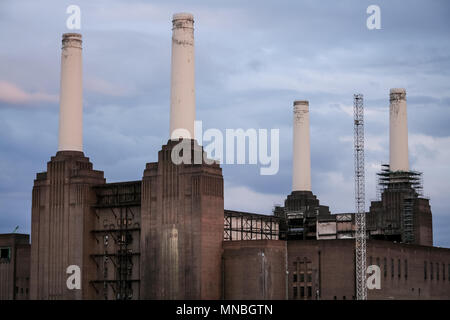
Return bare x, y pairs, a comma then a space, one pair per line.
360, 215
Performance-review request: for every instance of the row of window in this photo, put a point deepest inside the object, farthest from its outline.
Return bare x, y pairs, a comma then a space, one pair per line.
21, 290
430, 270
400, 266
302, 292
435, 270
301, 277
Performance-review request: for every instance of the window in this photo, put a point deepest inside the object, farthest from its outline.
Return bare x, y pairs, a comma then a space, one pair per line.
425, 270
406, 269
295, 278
437, 271
392, 268
302, 292
443, 271
302, 277
431, 270
309, 277
309, 292
399, 269
5, 254
343, 298
295, 292
370, 261
378, 262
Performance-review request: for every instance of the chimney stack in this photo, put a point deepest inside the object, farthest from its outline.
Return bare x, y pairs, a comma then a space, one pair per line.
398, 131
71, 95
182, 89
301, 173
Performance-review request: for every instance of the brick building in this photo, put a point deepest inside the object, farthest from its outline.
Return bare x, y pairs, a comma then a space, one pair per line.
168, 236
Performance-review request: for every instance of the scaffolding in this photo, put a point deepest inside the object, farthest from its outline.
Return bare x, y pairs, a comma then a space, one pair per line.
410, 184
360, 218
117, 200
399, 180
407, 219
250, 226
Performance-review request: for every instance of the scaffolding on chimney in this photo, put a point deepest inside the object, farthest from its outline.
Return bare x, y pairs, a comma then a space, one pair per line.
399, 180
410, 183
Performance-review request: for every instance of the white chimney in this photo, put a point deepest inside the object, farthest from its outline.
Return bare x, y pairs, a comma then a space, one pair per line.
182, 89
398, 131
71, 95
301, 173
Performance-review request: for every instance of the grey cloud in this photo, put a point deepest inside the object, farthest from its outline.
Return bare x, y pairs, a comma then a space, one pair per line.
252, 60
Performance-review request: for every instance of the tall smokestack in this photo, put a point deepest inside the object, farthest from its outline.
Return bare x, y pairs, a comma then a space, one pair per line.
71, 95
182, 90
398, 131
301, 173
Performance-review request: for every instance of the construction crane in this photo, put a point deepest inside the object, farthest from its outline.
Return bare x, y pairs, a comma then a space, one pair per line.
360, 215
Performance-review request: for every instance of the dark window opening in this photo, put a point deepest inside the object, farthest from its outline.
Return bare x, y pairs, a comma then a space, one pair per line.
295, 278
309, 292
302, 292
431, 270
5, 253
443, 272
437, 271
302, 277
392, 268
425, 270
406, 269
295, 292
399, 269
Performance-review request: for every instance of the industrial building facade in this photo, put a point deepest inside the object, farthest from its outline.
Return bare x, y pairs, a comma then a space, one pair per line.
168, 235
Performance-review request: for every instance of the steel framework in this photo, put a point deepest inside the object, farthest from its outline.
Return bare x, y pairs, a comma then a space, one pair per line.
249, 226
117, 201
360, 218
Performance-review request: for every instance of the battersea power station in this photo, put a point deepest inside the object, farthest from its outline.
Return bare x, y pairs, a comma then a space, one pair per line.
168, 235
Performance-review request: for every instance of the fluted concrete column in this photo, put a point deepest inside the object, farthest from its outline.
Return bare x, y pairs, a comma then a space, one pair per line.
182, 90
301, 173
398, 131
71, 95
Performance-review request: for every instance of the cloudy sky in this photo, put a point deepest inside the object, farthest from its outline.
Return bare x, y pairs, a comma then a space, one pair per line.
253, 59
